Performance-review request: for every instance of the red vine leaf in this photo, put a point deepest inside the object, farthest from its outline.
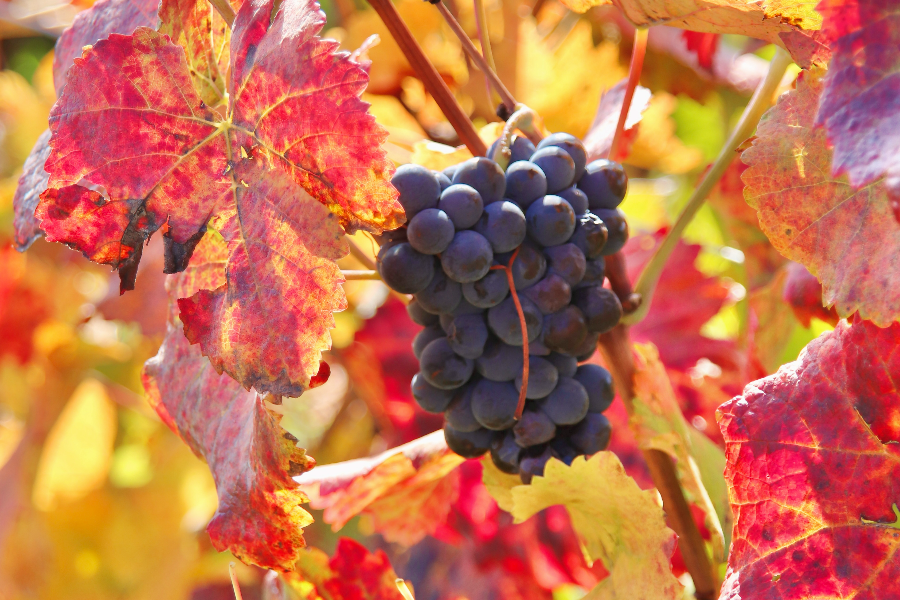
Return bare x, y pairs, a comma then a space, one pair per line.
704, 45
599, 137
803, 293
24, 305
97, 23
861, 92
353, 573
31, 185
406, 490
847, 238
259, 518
813, 465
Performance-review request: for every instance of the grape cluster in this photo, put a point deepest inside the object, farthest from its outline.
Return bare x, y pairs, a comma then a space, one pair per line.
544, 225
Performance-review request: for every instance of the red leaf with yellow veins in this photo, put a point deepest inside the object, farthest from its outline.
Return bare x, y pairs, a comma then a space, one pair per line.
259, 518
97, 23
353, 573
846, 237
406, 490
268, 323
861, 92
813, 468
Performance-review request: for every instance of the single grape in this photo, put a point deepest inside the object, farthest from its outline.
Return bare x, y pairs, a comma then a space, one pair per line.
599, 385
533, 428
594, 273
605, 183
418, 187
558, 167
442, 367
565, 330
525, 183
428, 397
590, 235
494, 404
551, 220
484, 175
592, 434
393, 235
443, 180
459, 413
463, 204
550, 294
542, 378
587, 348
521, 148
617, 228
450, 171
419, 315
537, 348
466, 308
488, 291
405, 270
566, 365
499, 361
576, 198
425, 337
601, 307
503, 225
562, 450
505, 452
468, 444
468, 257
573, 147
533, 465
445, 320
467, 335
528, 267
567, 403
503, 320
430, 231
441, 296
567, 261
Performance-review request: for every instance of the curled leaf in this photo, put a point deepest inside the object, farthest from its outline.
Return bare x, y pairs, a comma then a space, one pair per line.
31, 185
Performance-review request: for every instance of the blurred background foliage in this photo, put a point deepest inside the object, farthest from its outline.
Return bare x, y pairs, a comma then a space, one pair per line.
98, 499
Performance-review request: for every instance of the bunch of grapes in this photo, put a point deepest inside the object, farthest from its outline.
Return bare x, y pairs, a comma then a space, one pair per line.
474, 232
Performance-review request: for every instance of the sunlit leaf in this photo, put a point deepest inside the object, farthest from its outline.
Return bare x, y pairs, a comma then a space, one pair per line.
599, 137
812, 471
846, 237
353, 573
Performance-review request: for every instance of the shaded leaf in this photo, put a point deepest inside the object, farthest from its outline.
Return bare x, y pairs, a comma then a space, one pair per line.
860, 95
406, 489
97, 23
353, 573
31, 185
599, 137
259, 517
846, 237
803, 293
813, 469
771, 322
617, 523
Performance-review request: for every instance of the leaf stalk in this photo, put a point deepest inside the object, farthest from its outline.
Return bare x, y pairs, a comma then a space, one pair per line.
225, 10
634, 75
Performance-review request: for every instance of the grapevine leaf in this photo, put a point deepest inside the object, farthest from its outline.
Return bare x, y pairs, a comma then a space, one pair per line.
764, 21
616, 521
31, 185
860, 92
599, 137
97, 23
703, 45
846, 237
812, 467
353, 573
268, 324
771, 322
803, 293
659, 425
205, 37
259, 518
24, 305
406, 489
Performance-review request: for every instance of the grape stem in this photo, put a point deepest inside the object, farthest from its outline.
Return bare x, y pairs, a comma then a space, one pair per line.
352, 275
234, 582
617, 275
360, 255
478, 58
759, 103
520, 407
634, 75
484, 37
524, 119
223, 7
617, 353
429, 76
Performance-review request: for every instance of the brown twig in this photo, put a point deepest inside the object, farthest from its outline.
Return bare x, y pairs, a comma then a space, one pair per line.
225, 10
429, 76
520, 407
634, 74
478, 58
617, 352
536, 8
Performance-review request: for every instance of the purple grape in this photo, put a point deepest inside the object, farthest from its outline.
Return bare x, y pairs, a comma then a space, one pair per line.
405, 270
566, 365
565, 330
430, 231
441, 296
567, 404
590, 235
599, 385
488, 291
605, 183
525, 183
425, 337
499, 361
542, 378
419, 315
459, 414
470, 444
463, 205
573, 147
558, 167
428, 397
533, 428
468, 257
551, 220
567, 261
503, 225
617, 230
600, 306
576, 198
533, 465
467, 335
494, 404
550, 294
505, 452
503, 320
521, 148
592, 434
442, 367
485, 176
418, 187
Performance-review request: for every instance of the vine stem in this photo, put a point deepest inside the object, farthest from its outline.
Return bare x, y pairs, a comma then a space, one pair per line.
484, 38
360, 255
234, 582
429, 76
617, 352
351, 275
759, 103
634, 75
225, 10
505, 96
520, 407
